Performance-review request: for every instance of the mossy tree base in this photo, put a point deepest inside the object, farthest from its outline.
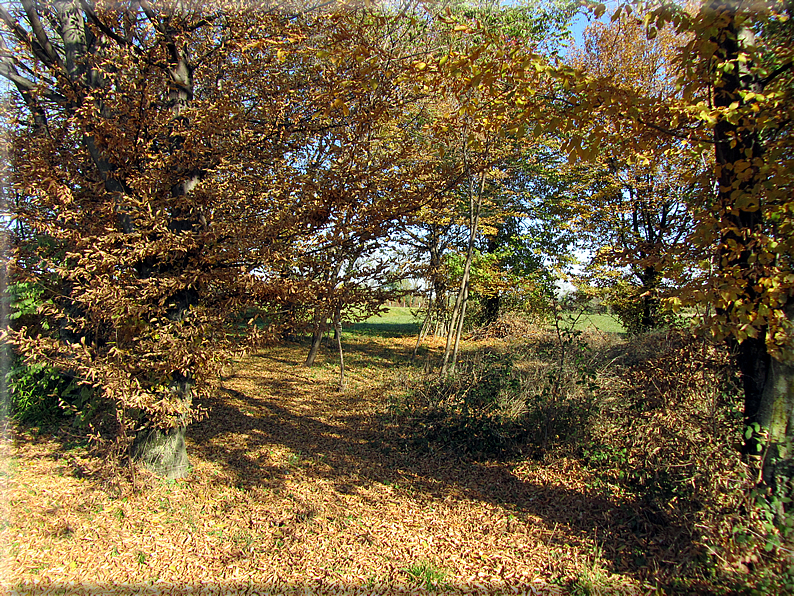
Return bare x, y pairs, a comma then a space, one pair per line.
162, 452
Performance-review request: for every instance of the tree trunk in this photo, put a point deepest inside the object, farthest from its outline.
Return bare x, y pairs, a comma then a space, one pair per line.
775, 414
317, 340
768, 386
754, 364
459, 329
338, 331
777, 466
163, 451
458, 312
650, 299
768, 383
422, 333
446, 365
490, 311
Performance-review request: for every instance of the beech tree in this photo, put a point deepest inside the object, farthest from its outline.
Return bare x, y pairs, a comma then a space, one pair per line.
162, 183
343, 263
635, 207
109, 153
385, 170
479, 72
752, 82
733, 109
638, 220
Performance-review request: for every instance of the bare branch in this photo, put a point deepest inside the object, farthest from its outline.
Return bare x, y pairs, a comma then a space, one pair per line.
41, 34
776, 73
24, 36
107, 30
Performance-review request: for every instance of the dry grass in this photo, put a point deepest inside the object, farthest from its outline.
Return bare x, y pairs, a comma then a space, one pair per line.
297, 488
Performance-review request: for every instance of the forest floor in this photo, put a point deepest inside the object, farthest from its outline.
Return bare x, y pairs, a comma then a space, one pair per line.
297, 487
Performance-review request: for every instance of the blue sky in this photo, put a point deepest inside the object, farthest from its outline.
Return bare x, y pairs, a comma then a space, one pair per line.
578, 26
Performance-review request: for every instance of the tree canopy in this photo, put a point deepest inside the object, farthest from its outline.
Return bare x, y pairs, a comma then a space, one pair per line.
190, 181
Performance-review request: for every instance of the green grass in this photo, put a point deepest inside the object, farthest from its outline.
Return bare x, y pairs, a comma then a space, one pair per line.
428, 576
604, 323
398, 321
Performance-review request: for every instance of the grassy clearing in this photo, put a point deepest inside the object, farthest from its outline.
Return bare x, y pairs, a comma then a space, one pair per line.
625, 486
603, 323
398, 321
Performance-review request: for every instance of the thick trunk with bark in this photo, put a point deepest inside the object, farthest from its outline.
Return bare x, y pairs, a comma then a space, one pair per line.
163, 451
775, 414
768, 383
769, 410
754, 363
491, 308
650, 298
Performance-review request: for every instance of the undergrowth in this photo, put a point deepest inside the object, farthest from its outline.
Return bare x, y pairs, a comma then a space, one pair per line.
505, 402
658, 420
655, 421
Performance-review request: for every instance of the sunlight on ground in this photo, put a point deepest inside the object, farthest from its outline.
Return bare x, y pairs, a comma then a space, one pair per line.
297, 486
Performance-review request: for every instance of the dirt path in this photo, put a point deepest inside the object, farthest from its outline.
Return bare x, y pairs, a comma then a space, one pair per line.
299, 488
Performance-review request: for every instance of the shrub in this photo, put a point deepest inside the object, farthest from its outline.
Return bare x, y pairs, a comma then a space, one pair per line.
40, 394
465, 410
492, 407
628, 304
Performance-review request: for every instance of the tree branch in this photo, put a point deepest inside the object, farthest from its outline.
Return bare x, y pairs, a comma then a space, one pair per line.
776, 73
24, 36
9, 71
107, 30
40, 33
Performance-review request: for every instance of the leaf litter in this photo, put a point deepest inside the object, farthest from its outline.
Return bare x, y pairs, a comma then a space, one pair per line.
296, 487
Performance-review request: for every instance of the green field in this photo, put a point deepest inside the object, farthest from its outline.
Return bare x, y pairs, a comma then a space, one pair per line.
604, 323
398, 321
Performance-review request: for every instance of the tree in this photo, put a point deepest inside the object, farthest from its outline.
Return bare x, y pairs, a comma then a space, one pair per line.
734, 73
754, 286
479, 87
162, 185
380, 164
529, 237
635, 212
108, 153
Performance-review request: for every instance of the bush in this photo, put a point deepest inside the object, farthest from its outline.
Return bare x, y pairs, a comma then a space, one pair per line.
508, 325
469, 410
34, 393
628, 304
40, 394
668, 437
491, 407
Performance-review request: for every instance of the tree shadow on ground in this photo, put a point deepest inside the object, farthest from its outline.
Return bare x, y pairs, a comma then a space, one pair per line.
350, 450
360, 352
